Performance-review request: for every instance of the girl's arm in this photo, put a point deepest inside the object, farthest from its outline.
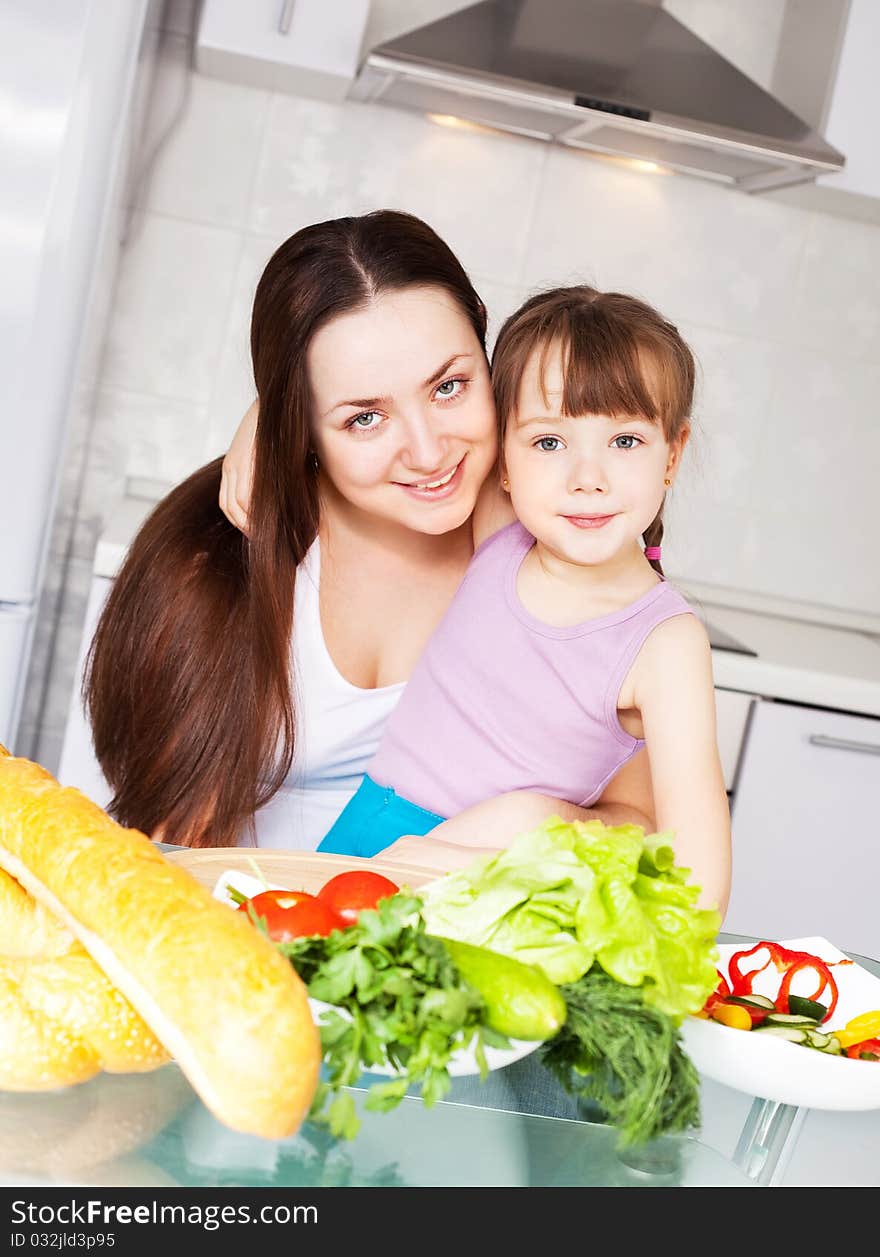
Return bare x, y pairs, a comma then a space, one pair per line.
674, 691
238, 471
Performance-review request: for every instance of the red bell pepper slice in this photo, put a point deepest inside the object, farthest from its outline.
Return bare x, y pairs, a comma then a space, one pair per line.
718, 995
867, 1050
788, 962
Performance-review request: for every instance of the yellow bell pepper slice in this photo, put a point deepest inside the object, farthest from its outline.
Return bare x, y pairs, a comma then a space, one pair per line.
733, 1015
865, 1026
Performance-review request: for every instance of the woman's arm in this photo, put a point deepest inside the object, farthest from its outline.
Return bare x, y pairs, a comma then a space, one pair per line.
238, 471
674, 691
489, 826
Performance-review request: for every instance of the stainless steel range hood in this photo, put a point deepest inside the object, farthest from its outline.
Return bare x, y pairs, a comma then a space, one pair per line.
620, 78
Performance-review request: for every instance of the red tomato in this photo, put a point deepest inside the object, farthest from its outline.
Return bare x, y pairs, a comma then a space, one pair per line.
291, 914
348, 893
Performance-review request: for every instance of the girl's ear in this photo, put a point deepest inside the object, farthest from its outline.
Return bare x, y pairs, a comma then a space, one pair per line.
677, 447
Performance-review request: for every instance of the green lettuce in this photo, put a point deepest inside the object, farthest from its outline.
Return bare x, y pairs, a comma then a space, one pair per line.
570, 895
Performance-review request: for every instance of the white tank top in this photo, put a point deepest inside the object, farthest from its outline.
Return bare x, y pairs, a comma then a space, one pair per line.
338, 727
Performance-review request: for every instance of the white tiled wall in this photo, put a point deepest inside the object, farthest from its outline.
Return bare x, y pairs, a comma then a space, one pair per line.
781, 305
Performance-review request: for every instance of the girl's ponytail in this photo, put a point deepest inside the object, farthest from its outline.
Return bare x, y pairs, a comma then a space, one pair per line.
653, 536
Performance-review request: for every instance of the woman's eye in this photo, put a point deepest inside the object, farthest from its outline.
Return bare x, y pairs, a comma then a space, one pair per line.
626, 441
548, 444
365, 421
451, 388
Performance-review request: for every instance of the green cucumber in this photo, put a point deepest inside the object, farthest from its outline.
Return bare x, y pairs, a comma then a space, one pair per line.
790, 1019
807, 1007
521, 1001
794, 1034
759, 1002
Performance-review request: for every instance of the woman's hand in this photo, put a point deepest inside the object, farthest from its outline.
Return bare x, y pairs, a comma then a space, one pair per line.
238, 471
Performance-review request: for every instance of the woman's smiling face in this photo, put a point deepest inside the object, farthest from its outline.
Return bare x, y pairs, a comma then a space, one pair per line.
403, 414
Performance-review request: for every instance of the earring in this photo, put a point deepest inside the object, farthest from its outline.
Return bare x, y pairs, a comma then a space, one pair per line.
313, 461
667, 482
505, 484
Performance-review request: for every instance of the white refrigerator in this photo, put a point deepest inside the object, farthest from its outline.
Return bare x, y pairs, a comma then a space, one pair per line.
67, 72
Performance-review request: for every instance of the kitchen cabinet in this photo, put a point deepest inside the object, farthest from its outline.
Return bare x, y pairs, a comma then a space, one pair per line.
806, 842
290, 47
732, 710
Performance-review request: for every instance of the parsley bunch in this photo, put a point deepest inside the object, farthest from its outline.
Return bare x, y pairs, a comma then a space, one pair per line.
405, 1005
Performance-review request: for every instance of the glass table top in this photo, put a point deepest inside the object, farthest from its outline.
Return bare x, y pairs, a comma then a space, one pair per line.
151, 1130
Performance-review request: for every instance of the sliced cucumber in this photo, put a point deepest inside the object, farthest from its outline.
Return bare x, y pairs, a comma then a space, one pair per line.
807, 1007
818, 1039
794, 1034
751, 1001
790, 1019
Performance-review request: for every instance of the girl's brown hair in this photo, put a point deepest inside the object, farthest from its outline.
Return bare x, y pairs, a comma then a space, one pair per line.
619, 357
188, 683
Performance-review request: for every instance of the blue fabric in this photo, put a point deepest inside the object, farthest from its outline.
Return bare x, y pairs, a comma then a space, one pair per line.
373, 818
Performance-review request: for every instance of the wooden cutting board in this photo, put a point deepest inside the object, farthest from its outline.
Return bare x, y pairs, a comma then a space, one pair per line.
294, 870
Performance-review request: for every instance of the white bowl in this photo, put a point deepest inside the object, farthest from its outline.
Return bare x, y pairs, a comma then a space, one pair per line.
790, 1073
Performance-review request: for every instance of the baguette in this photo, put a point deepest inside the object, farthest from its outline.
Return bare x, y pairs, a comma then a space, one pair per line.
27, 929
61, 1018
216, 994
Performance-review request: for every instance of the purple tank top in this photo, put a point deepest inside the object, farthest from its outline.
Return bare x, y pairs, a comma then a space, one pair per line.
500, 701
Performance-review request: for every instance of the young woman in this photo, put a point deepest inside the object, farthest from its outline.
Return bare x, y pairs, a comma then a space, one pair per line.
238, 683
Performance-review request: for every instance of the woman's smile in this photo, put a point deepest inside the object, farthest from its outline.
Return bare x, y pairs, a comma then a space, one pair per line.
442, 485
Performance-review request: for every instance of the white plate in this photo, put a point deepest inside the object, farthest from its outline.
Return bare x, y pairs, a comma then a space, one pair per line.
244, 883
789, 1072
462, 1062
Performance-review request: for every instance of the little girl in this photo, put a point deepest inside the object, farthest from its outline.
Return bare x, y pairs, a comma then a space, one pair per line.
565, 651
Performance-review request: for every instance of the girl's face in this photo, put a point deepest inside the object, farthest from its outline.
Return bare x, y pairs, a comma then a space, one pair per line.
404, 419
588, 486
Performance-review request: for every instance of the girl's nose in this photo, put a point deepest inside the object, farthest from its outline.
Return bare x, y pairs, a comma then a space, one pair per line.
424, 449
587, 474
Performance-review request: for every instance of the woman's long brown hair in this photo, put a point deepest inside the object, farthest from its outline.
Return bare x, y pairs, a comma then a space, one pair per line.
619, 357
188, 681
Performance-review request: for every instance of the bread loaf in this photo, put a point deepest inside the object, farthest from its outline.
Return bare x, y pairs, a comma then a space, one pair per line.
217, 995
61, 1018
27, 929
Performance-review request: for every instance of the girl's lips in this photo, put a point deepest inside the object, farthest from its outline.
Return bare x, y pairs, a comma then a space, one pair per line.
443, 491
588, 521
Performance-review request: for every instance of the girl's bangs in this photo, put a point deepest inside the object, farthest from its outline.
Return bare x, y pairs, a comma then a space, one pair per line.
612, 376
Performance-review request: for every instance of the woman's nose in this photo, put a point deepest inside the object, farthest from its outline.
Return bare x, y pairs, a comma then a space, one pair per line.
424, 448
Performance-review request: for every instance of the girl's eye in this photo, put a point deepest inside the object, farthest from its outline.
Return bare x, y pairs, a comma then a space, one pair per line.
626, 441
549, 444
365, 421
451, 388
